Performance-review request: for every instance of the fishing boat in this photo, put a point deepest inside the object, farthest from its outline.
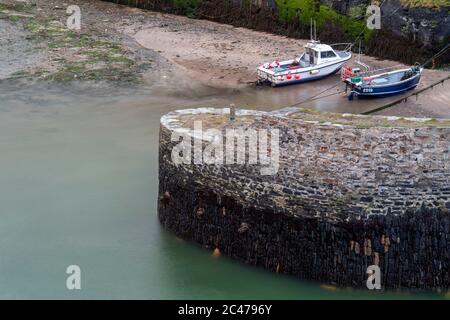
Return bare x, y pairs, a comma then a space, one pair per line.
381, 84
317, 61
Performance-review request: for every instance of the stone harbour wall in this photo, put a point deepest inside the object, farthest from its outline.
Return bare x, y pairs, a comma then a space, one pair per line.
344, 198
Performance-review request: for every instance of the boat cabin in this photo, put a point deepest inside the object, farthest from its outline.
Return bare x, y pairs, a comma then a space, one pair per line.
316, 53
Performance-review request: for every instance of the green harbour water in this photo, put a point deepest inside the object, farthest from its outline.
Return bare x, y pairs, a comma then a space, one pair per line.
79, 186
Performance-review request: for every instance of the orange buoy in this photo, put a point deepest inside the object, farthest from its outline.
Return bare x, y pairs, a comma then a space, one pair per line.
289, 77
297, 77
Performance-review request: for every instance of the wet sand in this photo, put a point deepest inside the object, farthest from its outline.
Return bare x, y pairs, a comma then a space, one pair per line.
14, 50
223, 55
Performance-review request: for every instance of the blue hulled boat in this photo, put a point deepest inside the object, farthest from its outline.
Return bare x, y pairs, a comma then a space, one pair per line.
384, 84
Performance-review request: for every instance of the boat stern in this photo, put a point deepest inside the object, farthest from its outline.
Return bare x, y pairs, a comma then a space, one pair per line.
264, 75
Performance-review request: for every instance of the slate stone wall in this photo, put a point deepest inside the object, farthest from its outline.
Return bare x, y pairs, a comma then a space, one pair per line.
344, 198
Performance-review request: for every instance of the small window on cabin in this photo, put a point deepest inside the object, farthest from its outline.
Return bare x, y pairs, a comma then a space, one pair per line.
327, 54
315, 54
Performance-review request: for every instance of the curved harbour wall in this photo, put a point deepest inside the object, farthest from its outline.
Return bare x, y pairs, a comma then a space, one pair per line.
345, 196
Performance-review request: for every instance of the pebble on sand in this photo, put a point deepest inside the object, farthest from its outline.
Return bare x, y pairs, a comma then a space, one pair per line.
216, 252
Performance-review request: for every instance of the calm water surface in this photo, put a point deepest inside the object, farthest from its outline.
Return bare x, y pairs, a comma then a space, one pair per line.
78, 185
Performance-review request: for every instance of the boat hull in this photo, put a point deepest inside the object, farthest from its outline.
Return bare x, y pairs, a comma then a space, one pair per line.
296, 76
306, 76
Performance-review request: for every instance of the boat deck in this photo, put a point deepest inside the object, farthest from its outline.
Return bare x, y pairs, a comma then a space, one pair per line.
343, 54
305, 63
387, 78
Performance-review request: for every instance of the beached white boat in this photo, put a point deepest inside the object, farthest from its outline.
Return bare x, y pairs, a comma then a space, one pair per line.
317, 61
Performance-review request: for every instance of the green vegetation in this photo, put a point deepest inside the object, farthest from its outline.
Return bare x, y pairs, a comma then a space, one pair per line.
18, 7
14, 12
14, 19
305, 10
78, 56
357, 12
187, 7
92, 58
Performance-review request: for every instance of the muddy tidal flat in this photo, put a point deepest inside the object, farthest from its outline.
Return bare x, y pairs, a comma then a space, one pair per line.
129, 45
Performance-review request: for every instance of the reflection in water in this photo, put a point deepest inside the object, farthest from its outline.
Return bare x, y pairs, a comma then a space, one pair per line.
79, 186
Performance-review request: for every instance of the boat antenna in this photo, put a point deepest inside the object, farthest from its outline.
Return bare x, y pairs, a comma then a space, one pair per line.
315, 31
311, 29
359, 56
359, 62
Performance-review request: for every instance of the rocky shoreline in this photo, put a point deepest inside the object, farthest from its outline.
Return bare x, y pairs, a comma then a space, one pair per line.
410, 32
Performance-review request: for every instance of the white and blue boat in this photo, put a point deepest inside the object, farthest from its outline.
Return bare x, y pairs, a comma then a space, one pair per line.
384, 84
317, 61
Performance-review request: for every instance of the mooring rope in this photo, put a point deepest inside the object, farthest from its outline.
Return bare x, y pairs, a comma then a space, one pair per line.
437, 55
315, 97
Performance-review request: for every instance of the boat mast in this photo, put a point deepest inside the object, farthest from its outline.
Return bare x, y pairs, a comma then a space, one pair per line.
359, 62
315, 31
